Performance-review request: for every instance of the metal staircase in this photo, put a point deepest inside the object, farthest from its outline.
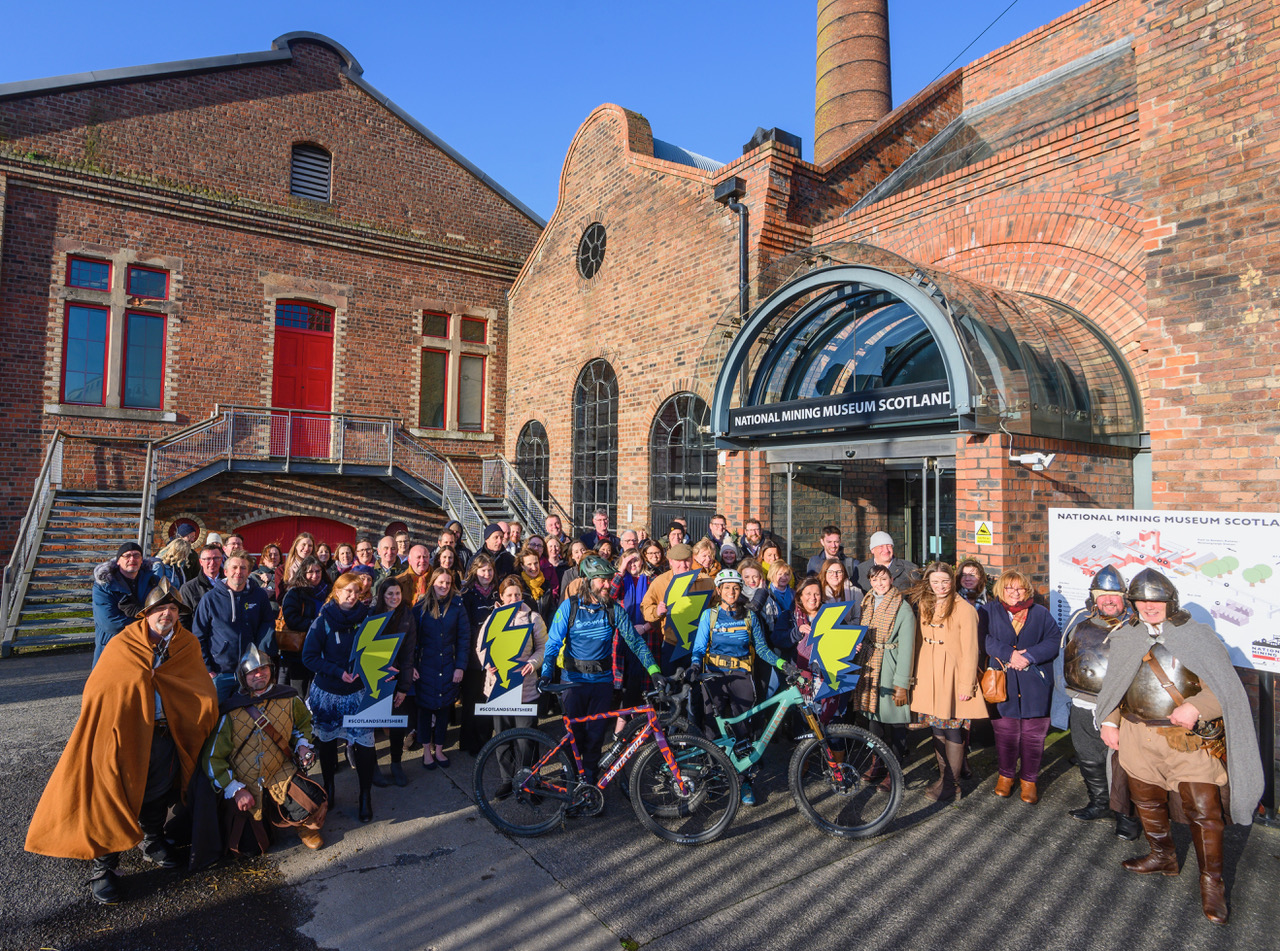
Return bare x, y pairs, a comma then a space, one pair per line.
507, 497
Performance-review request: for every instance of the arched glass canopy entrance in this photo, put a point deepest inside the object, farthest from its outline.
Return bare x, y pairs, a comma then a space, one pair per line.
853, 340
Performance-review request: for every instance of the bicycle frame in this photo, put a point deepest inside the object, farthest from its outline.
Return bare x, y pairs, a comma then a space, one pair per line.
652, 728
784, 700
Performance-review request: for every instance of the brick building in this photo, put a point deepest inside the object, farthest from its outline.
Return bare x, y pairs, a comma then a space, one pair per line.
1072, 239
253, 231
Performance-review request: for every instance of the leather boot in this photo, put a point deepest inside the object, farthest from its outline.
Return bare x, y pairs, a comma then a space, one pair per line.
104, 883
1030, 795
1152, 804
1128, 828
1095, 784
1004, 786
944, 790
366, 806
155, 847
956, 763
1203, 806
379, 778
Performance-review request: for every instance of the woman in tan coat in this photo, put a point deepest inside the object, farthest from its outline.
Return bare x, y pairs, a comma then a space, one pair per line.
946, 693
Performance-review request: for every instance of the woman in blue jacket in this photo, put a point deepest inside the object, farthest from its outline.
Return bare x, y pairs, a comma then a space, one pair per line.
1023, 635
444, 641
336, 691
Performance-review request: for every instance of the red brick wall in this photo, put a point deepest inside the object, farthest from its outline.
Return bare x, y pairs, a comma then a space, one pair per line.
1211, 141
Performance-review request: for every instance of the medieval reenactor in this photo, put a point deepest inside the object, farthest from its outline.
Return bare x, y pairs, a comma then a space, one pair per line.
260, 751
1173, 705
1086, 644
147, 709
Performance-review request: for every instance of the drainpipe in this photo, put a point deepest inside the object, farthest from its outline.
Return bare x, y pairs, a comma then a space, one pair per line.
727, 193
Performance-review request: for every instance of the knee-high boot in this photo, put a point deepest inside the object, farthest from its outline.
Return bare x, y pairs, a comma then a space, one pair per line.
944, 790
1095, 784
366, 762
327, 754
1152, 803
1203, 806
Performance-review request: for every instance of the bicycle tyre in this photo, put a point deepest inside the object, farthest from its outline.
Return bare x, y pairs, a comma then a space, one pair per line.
705, 814
518, 813
854, 805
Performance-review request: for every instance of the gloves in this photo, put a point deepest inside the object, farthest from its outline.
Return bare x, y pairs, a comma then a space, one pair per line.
900, 698
543, 684
790, 671
660, 683
694, 674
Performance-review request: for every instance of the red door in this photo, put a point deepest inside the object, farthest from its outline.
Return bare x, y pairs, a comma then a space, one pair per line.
303, 378
284, 529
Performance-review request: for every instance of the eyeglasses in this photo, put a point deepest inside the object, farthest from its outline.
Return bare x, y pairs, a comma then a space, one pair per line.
363, 548
1014, 589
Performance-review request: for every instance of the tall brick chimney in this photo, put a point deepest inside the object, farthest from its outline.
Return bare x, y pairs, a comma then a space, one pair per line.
853, 90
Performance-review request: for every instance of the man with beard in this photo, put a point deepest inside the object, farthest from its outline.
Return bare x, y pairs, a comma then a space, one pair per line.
146, 710
580, 641
1086, 645
1173, 706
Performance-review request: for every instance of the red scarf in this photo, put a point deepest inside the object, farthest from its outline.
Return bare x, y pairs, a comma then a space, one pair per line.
1021, 607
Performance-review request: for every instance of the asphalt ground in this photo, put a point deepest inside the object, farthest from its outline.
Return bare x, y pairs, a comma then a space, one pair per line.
429, 872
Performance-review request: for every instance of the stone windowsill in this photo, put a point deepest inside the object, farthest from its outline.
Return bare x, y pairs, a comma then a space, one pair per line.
450, 434
111, 412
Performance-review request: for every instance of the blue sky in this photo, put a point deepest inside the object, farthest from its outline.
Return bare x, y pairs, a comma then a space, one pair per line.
508, 83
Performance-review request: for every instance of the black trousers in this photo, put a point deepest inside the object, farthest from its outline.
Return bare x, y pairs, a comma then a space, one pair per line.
1086, 738
473, 731
731, 695
582, 700
516, 755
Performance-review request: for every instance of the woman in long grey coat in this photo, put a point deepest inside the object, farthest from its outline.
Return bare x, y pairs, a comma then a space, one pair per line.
882, 691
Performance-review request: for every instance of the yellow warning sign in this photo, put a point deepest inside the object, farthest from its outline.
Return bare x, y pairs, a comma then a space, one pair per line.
982, 533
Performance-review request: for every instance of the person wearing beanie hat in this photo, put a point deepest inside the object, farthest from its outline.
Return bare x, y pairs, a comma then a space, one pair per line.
119, 588
728, 555
213, 538
905, 573
504, 563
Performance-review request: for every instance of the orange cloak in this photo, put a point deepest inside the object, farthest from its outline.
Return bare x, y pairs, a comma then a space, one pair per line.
90, 806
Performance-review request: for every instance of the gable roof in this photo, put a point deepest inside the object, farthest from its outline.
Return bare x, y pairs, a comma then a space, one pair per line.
281, 52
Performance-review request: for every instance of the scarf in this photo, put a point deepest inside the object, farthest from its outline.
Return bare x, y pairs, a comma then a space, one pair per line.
1021, 607
534, 583
343, 619
785, 597
878, 614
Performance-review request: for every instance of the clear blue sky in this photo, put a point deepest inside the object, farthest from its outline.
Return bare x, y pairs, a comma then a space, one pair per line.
508, 83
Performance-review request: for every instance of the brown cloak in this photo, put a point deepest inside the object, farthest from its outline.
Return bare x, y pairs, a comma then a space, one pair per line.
90, 806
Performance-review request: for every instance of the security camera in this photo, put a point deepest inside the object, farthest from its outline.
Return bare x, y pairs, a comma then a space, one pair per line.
1038, 461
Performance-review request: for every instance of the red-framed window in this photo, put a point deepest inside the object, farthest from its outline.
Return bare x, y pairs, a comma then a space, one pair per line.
84, 354
304, 315
144, 342
435, 324
433, 398
474, 331
88, 273
471, 369
147, 282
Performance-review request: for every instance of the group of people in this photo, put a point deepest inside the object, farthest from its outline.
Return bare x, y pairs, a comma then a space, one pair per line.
273, 634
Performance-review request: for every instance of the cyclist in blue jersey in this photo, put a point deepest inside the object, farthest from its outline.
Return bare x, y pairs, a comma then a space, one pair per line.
727, 633
583, 641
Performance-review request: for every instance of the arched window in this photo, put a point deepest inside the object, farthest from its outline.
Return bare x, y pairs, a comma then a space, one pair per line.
682, 465
595, 442
310, 172
533, 458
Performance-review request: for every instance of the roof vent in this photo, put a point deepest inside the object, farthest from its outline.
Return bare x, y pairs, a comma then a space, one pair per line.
309, 173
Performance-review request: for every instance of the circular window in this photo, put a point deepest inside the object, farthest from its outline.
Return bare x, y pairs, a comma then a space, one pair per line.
591, 250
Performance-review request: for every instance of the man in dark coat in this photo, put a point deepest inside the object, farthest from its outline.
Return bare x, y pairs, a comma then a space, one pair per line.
193, 591
1170, 686
233, 615
494, 541
119, 588
905, 573
600, 532
832, 548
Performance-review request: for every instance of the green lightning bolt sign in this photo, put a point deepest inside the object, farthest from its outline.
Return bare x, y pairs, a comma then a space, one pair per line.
504, 641
684, 608
832, 646
372, 656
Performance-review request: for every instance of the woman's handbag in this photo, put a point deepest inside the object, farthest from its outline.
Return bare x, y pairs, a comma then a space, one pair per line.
995, 688
287, 639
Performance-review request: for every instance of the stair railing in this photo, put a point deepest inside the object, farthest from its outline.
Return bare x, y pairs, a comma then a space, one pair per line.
500, 478
17, 573
456, 499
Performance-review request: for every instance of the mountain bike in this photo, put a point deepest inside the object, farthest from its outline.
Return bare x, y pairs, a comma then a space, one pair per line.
846, 781
682, 787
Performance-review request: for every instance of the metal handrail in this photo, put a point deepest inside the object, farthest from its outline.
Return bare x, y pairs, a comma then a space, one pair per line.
456, 499
220, 407
514, 489
17, 573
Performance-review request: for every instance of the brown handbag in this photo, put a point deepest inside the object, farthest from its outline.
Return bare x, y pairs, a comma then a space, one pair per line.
287, 639
995, 687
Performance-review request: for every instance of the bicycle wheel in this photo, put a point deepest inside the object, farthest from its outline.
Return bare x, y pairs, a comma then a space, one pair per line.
709, 803
513, 797
856, 799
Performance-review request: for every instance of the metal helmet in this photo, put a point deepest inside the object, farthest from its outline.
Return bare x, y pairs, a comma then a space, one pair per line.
594, 566
729, 576
1107, 581
251, 660
1150, 585
163, 593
